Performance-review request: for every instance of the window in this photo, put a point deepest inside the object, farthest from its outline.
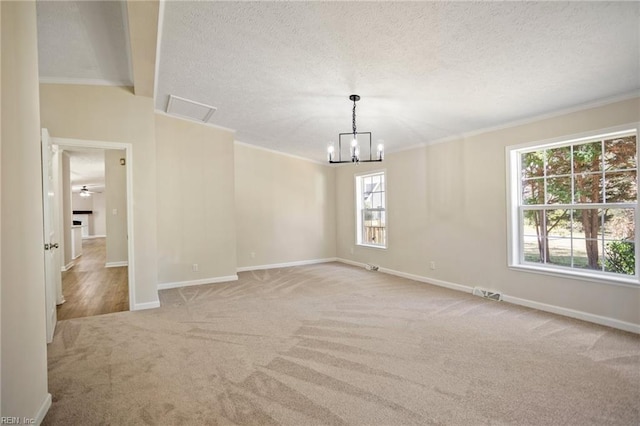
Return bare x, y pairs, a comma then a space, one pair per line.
574, 206
371, 217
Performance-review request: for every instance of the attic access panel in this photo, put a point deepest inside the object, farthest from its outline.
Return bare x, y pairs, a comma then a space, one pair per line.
189, 109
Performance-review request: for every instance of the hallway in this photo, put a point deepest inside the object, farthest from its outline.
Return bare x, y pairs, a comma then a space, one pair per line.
91, 289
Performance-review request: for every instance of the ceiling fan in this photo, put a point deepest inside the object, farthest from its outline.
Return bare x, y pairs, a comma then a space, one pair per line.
84, 191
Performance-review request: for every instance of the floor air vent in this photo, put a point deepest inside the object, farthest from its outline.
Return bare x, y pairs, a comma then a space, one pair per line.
189, 109
487, 294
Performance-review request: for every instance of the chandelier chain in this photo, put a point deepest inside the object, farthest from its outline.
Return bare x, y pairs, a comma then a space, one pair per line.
354, 119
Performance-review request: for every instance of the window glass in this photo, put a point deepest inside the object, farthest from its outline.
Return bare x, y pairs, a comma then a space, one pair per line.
371, 206
577, 206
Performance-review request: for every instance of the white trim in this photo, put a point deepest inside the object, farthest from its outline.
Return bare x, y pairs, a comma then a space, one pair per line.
66, 267
439, 283
44, 408
286, 264
575, 138
585, 316
515, 207
193, 120
128, 148
358, 206
116, 264
88, 143
90, 237
179, 284
127, 40
158, 42
558, 113
350, 262
85, 81
371, 246
577, 274
147, 305
286, 154
567, 312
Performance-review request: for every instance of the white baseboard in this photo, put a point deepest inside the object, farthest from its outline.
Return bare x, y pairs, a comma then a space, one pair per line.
585, 316
286, 264
147, 305
90, 237
44, 408
351, 262
439, 283
66, 267
214, 280
116, 264
567, 312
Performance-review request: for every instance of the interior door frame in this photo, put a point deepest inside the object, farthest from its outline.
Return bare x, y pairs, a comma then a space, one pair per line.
66, 143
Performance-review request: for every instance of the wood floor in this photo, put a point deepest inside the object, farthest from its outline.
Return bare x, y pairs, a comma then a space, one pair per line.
91, 289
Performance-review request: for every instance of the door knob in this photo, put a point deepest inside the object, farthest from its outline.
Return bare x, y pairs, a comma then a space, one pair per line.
54, 245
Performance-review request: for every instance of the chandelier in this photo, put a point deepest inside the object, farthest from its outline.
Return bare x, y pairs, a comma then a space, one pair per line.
354, 143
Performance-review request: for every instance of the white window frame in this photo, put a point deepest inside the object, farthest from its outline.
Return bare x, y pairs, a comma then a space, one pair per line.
515, 210
358, 204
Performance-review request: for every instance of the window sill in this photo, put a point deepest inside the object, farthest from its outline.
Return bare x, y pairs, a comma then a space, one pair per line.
578, 275
372, 246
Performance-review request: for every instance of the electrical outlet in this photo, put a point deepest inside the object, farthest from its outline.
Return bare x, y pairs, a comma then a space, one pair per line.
432, 265
253, 254
194, 267
351, 250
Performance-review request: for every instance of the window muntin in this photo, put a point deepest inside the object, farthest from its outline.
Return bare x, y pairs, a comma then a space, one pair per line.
371, 215
576, 206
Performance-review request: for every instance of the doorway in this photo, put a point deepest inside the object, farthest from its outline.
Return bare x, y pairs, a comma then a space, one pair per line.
95, 230
94, 279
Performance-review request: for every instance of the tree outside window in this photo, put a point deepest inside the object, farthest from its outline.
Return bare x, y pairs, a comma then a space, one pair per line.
578, 204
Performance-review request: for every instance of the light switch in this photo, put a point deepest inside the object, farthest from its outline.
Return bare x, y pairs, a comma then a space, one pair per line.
114, 212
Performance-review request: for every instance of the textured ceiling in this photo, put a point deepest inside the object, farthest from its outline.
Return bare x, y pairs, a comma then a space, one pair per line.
87, 168
280, 73
83, 41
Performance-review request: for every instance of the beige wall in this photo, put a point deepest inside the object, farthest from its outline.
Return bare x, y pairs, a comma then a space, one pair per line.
81, 203
0, 210
196, 222
24, 352
115, 177
447, 204
114, 114
99, 214
285, 208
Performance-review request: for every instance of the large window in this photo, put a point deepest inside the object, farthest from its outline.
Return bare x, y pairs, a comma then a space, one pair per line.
574, 206
371, 216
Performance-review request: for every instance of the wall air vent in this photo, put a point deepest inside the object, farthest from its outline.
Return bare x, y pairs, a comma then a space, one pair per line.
189, 109
487, 294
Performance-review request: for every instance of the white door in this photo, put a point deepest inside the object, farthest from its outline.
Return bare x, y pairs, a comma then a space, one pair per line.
52, 268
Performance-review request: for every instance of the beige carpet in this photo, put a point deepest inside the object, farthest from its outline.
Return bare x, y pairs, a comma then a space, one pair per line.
335, 344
